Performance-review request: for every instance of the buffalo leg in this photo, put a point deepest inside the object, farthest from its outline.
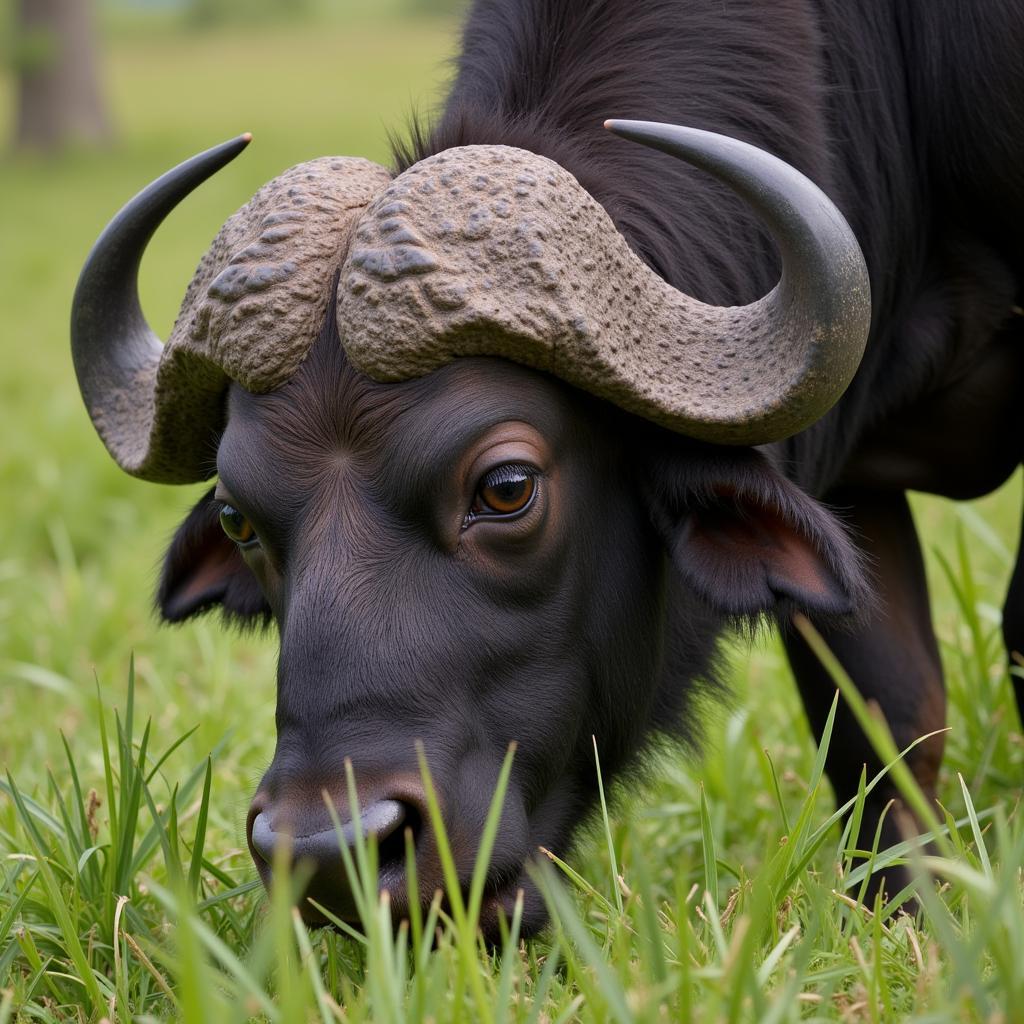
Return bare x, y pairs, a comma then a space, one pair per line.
892, 657
1013, 626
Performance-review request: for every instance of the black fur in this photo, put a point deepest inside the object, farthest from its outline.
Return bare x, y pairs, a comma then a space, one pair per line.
598, 614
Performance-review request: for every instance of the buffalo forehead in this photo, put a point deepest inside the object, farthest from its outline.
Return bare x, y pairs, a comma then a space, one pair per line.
405, 436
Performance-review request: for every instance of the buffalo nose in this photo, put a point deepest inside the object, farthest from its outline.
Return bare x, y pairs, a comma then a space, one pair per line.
321, 846
300, 829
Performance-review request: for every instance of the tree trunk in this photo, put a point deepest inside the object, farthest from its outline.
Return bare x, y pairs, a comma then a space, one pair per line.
59, 98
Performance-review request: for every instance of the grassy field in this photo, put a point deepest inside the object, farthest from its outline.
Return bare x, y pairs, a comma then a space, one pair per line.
735, 900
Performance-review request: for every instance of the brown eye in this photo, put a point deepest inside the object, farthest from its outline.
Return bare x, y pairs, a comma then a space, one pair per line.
237, 527
505, 491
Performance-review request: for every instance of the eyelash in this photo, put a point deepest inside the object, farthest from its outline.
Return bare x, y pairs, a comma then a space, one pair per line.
507, 473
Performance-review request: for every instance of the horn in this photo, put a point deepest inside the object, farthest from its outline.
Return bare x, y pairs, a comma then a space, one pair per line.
490, 250
255, 306
115, 352
820, 311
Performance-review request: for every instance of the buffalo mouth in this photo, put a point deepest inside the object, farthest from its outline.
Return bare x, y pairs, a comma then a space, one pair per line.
501, 891
327, 868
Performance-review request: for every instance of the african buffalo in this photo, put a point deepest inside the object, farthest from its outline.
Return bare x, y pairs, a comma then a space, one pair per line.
506, 437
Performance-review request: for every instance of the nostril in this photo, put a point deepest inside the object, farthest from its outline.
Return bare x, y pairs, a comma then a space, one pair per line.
382, 819
391, 846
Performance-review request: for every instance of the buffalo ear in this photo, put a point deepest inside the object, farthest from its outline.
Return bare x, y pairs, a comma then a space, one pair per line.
203, 569
749, 541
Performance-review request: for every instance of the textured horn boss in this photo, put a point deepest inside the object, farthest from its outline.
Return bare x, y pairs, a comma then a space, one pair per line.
478, 250
489, 250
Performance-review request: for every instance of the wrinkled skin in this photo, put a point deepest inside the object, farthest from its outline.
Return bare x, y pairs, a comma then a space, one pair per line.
594, 611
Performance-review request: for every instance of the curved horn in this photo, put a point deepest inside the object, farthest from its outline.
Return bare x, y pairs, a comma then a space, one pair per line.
115, 352
253, 309
820, 311
490, 250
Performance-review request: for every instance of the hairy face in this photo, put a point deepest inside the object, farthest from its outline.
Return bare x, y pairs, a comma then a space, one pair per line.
479, 557
456, 560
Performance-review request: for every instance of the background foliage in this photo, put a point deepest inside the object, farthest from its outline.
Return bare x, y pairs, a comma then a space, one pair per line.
79, 548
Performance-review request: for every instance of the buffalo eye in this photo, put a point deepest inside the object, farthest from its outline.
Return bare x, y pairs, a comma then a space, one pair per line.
237, 527
505, 491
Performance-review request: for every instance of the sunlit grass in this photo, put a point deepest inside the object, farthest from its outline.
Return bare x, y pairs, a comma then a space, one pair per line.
120, 912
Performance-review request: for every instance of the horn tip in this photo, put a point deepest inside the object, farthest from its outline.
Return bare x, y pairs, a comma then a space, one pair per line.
638, 131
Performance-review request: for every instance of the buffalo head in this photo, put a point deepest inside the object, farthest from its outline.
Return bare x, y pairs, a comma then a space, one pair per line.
490, 476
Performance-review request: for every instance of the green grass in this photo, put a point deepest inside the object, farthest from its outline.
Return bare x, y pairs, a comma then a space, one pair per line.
718, 891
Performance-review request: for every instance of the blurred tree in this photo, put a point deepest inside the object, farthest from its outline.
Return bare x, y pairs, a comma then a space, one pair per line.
59, 97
